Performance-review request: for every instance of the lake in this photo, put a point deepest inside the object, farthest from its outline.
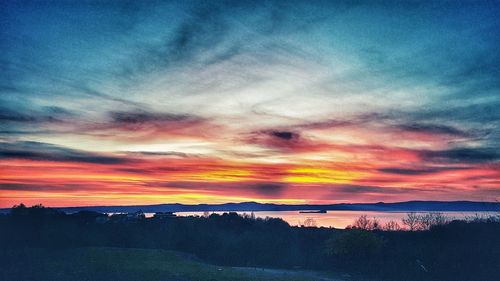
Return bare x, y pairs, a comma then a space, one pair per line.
337, 219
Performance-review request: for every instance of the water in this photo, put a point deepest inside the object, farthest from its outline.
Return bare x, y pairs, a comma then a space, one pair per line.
337, 219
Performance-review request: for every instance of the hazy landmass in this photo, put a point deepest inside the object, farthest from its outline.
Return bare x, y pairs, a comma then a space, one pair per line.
465, 206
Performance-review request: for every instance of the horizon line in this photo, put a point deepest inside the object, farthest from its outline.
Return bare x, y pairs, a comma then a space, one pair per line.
262, 203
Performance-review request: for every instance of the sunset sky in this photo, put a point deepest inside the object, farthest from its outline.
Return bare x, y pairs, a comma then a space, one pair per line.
227, 101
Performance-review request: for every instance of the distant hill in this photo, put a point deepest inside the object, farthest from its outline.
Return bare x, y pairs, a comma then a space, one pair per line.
463, 206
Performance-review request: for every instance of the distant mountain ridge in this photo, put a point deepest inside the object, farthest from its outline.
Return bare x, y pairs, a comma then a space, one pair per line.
408, 206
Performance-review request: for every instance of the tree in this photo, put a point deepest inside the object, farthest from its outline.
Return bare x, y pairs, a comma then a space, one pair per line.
431, 219
412, 221
375, 224
309, 222
20, 209
363, 222
392, 226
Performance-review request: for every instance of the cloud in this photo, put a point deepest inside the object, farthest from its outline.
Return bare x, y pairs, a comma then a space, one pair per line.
196, 29
284, 135
48, 152
268, 85
148, 125
47, 114
162, 153
424, 171
433, 129
270, 189
369, 189
6, 116
461, 155
44, 187
137, 117
261, 189
281, 140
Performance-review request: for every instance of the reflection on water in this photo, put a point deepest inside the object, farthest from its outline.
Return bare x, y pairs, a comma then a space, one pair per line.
337, 219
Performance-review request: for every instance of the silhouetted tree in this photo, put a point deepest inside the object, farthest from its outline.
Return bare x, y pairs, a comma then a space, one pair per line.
363, 222
412, 221
310, 222
392, 226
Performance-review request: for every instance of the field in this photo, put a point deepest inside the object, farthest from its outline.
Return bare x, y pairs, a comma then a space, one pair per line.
100, 263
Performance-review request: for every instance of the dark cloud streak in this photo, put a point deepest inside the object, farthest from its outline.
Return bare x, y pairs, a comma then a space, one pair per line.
38, 151
461, 155
284, 135
423, 171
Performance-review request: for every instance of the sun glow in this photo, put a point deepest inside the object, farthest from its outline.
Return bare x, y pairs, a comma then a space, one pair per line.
321, 175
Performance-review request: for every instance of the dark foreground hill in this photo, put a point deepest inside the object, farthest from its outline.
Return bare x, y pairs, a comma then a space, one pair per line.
456, 250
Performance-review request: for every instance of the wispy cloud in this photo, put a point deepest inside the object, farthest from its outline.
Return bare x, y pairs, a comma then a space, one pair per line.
249, 100
47, 152
462, 155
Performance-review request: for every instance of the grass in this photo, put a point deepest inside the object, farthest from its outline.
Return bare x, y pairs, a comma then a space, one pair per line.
119, 264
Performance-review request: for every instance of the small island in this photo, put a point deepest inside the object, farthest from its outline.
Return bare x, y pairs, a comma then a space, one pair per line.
313, 212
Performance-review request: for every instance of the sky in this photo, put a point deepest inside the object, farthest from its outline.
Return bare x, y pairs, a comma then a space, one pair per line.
290, 102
